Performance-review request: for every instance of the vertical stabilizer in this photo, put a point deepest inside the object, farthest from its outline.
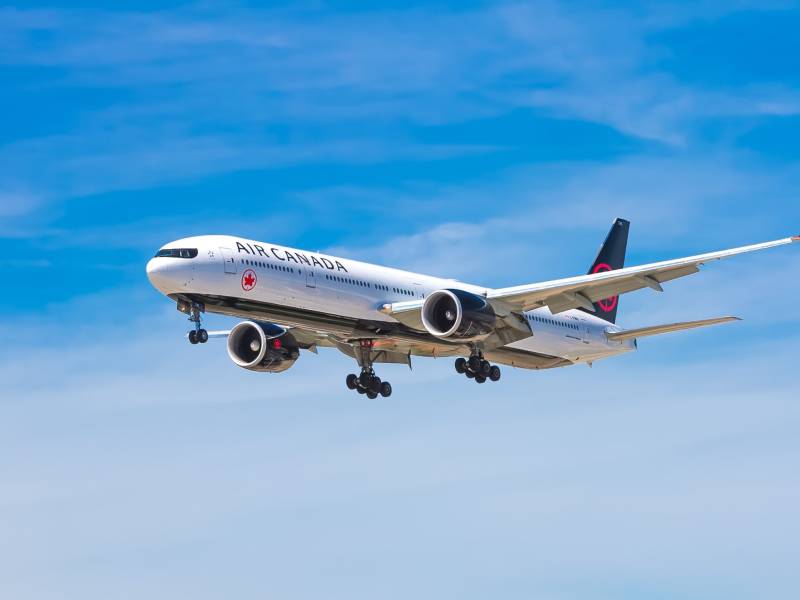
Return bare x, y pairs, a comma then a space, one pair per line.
610, 258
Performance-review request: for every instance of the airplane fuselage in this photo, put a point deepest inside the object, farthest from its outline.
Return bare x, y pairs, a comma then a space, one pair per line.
342, 297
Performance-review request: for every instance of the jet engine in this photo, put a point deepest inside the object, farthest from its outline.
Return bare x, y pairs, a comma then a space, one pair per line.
458, 315
262, 347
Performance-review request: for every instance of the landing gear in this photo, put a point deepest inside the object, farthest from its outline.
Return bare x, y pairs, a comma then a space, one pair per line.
368, 382
477, 368
198, 335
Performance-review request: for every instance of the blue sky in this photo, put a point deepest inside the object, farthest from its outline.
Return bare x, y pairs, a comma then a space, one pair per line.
493, 142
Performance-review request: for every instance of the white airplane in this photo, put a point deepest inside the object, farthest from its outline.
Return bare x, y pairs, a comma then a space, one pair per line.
296, 300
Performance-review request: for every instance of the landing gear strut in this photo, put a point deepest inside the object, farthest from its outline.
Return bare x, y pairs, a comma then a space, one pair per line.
477, 368
368, 383
198, 335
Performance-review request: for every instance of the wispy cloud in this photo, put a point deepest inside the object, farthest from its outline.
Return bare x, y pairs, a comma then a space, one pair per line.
296, 67
526, 220
15, 203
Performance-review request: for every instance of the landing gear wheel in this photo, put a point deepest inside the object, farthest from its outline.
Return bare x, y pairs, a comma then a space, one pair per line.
351, 381
474, 364
386, 389
485, 368
494, 373
361, 390
193, 337
375, 385
461, 365
480, 378
364, 380
202, 336
470, 375
372, 395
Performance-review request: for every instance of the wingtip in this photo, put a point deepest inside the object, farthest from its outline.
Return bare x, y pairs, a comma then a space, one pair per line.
796, 238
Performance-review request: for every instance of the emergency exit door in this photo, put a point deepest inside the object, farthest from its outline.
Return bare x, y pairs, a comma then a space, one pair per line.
228, 260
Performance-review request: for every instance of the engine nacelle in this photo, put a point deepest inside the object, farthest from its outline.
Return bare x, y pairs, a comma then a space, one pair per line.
458, 315
262, 347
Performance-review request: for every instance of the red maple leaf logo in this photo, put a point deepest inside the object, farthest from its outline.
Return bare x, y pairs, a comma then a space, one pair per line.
249, 280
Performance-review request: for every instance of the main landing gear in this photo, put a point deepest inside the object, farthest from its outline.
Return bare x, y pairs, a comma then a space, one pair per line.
368, 383
477, 368
198, 335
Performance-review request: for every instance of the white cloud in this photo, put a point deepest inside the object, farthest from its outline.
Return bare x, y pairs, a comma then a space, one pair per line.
16, 203
308, 67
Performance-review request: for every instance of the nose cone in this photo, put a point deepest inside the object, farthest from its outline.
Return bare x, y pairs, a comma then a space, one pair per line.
163, 274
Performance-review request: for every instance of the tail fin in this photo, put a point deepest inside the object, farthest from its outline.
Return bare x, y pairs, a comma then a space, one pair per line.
610, 258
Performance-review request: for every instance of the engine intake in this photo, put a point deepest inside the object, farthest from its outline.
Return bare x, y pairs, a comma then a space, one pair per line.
457, 314
262, 347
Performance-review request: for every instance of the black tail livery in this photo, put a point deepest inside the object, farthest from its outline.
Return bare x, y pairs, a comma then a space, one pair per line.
610, 258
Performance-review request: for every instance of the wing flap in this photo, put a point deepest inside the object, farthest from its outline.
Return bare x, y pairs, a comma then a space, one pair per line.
631, 334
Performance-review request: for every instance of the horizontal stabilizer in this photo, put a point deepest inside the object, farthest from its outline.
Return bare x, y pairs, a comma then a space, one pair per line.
659, 329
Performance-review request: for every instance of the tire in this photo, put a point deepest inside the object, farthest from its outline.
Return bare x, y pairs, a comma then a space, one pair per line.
361, 390
386, 389
486, 367
372, 395
480, 378
364, 379
202, 336
494, 373
192, 337
470, 375
461, 365
351, 381
474, 364
375, 385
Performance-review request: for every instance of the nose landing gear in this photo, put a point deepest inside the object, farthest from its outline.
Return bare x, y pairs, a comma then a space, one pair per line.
198, 335
477, 368
368, 382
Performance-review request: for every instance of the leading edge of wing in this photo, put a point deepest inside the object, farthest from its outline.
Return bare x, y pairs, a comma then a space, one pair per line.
537, 292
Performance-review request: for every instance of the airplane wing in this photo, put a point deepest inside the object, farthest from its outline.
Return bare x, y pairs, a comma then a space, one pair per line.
582, 292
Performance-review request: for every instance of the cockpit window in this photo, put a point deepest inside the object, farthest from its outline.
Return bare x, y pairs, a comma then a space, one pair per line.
177, 253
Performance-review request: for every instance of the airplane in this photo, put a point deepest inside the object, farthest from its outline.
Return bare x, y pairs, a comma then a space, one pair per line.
292, 300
